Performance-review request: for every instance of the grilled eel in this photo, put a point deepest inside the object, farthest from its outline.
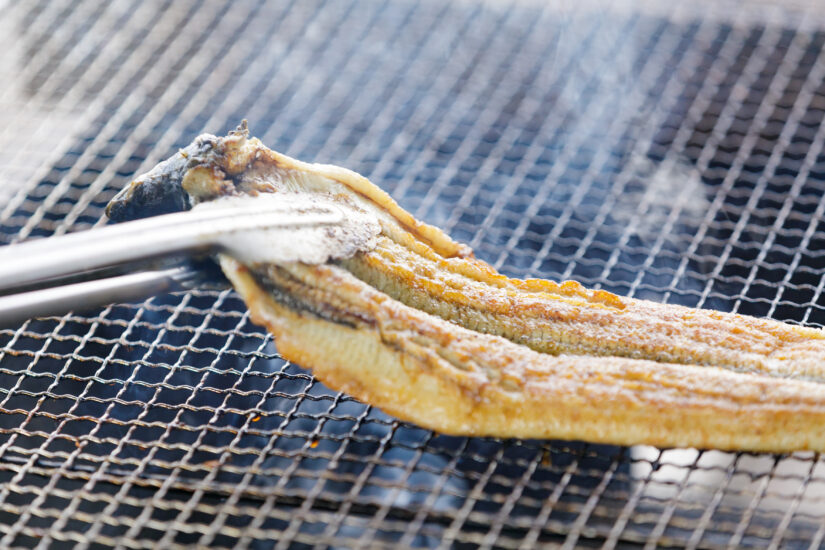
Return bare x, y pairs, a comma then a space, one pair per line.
406, 319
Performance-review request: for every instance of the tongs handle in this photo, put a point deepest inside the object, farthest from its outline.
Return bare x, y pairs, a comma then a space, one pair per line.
16, 308
47, 265
194, 231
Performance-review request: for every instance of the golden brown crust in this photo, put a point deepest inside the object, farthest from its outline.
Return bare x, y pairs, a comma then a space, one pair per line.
567, 318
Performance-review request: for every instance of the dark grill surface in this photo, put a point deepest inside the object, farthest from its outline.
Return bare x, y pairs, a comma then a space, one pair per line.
673, 155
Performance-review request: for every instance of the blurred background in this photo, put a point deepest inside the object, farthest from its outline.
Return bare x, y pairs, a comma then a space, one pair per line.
667, 152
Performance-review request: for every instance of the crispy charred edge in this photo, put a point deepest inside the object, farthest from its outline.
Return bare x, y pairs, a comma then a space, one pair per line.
608, 400
154, 194
304, 299
161, 190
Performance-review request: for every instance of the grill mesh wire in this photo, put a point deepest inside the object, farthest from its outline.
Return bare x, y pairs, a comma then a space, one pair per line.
674, 156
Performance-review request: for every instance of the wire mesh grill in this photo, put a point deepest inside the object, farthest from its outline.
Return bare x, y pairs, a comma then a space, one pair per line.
668, 155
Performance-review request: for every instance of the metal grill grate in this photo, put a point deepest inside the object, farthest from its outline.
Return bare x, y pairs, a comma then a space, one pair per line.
669, 155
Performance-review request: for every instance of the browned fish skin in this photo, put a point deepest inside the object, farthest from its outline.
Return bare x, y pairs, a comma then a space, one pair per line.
579, 364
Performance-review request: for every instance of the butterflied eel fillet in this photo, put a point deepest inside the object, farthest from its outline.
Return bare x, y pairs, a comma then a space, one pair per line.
410, 322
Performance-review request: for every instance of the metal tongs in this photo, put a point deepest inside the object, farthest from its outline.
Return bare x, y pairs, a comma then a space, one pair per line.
132, 260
